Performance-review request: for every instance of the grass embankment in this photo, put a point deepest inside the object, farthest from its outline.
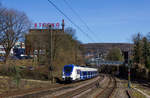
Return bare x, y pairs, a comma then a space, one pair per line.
134, 93
37, 72
8, 84
142, 88
27, 77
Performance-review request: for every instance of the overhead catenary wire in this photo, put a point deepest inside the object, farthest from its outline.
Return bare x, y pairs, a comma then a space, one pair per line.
80, 18
70, 20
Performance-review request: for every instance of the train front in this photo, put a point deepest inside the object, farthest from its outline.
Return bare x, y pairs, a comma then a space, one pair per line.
68, 72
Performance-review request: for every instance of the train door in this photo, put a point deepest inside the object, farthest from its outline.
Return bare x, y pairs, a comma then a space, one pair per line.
81, 75
78, 74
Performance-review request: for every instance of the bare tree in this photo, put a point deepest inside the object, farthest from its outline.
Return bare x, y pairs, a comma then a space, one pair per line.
2, 10
13, 25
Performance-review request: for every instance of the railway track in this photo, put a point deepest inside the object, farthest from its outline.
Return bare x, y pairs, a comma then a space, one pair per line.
108, 90
79, 91
121, 90
35, 92
41, 92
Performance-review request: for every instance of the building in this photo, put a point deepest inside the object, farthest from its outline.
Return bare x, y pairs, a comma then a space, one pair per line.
19, 46
38, 39
2, 51
19, 49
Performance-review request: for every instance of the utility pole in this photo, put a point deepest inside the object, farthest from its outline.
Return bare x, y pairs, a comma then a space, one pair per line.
51, 53
129, 74
129, 67
76, 54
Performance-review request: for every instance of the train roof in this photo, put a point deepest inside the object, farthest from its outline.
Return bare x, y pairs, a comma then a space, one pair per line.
81, 67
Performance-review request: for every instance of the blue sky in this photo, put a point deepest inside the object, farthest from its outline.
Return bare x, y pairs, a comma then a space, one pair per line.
111, 20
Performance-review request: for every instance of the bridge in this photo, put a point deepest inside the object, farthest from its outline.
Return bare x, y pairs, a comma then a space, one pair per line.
98, 62
110, 63
107, 66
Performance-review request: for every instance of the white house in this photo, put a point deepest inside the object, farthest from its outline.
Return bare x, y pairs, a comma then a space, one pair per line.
17, 45
2, 51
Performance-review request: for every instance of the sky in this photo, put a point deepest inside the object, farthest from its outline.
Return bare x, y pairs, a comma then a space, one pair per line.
111, 21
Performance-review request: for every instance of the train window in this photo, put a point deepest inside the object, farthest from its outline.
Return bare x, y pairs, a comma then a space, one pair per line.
88, 73
81, 73
67, 69
84, 73
78, 71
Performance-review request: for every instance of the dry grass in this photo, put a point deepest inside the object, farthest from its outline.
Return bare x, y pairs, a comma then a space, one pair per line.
27, 62
7, 84
136, 94
144, 89
39, 72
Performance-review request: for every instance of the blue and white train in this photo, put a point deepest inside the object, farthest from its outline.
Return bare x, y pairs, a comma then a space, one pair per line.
73, 72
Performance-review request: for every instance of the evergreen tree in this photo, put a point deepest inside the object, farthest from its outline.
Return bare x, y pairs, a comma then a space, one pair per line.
137, 52
146, 53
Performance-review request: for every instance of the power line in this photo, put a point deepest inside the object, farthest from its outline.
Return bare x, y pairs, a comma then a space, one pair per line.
70, 20
79, 18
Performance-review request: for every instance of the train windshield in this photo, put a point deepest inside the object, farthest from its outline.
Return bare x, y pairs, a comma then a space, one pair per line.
68, 69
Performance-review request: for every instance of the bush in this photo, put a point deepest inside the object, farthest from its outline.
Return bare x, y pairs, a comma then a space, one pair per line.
38, 73
149, 76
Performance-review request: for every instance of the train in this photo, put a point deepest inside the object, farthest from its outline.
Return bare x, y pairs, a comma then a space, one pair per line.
73, 72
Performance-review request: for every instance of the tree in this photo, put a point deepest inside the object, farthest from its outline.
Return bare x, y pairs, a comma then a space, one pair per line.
74, 45
2, 9
148, 36
146, 53
13, 25
70, 31
137, 51
114, 55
